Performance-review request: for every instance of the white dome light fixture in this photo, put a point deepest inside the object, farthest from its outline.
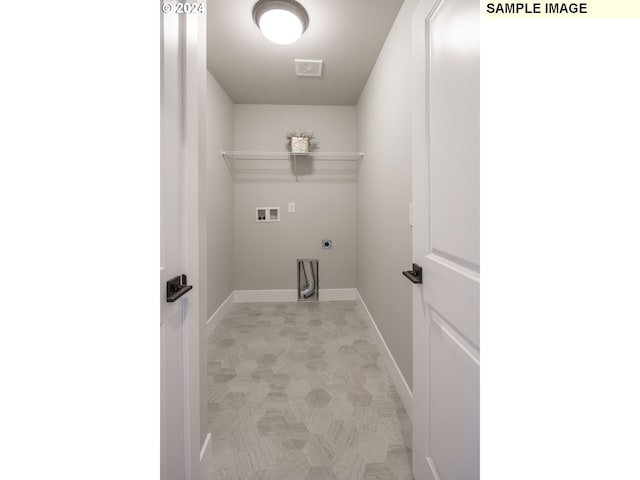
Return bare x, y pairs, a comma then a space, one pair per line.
281, 21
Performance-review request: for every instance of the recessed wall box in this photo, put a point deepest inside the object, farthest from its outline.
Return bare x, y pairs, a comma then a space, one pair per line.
267, 214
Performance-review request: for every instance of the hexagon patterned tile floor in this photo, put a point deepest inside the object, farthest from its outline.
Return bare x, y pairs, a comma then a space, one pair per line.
299, 391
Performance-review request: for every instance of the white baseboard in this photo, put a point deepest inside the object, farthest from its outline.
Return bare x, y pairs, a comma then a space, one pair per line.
337, 294
432, 469
222, 310
396, 375
244, 296
326, 295
206, 457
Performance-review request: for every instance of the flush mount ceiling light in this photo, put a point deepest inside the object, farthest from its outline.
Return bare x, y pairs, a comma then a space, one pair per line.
281, 21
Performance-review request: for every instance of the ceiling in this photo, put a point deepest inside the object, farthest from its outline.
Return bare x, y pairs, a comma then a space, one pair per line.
346, 34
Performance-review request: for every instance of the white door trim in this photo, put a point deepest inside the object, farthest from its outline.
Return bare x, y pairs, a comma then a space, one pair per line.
194, 116
423, 469
172, 419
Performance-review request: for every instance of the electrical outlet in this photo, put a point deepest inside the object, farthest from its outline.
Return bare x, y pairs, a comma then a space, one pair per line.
292, 207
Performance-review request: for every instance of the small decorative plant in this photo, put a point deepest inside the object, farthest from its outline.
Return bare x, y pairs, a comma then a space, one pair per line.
299, 140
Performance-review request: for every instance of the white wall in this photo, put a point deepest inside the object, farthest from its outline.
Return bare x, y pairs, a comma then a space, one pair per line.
265, 253
384, 191
219, 197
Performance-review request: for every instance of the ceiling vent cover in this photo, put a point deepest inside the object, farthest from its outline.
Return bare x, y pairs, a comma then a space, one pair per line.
308, 68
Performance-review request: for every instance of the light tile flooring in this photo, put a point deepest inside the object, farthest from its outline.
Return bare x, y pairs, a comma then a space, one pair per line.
299, 391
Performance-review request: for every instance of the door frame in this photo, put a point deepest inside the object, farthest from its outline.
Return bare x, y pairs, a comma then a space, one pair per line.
183, 56
419, 177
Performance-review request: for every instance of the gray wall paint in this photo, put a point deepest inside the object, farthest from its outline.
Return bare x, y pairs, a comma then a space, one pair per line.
220, 112
265, 253
384, 191
263, 127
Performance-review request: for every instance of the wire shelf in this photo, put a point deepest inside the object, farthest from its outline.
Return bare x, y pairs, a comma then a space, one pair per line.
312, 166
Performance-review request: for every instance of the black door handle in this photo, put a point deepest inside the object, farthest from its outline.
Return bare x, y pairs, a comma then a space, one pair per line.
177, 287
415, 275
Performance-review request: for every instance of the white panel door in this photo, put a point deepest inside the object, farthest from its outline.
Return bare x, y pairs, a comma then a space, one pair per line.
182, 76
446, 241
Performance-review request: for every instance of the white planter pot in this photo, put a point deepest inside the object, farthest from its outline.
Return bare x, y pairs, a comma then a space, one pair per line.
299, 144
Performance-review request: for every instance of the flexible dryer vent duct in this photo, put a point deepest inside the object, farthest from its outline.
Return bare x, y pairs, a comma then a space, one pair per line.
307, 268
307, 279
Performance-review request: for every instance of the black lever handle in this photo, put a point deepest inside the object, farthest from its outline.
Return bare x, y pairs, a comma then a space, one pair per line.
415, 275
177, 287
